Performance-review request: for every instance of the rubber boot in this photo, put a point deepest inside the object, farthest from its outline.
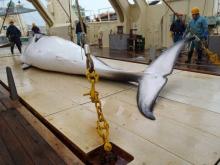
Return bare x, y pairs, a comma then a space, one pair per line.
188, 61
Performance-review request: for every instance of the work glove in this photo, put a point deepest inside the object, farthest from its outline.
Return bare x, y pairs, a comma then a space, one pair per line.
205, 36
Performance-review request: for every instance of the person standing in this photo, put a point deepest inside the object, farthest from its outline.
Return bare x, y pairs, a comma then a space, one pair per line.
178, 28
35, 29
14, 34
79, 32
197, 26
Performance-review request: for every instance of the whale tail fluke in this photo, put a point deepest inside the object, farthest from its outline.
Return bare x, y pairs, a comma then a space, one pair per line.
155, 78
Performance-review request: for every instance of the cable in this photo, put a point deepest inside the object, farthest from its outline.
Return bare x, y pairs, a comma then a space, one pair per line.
71, 23
213, 7
63, 9
203, 12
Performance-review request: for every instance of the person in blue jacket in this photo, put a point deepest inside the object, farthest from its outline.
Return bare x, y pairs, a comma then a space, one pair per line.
178, 28
198, 26
14, 34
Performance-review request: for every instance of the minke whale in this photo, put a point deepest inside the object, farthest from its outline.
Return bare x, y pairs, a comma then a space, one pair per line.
56, 54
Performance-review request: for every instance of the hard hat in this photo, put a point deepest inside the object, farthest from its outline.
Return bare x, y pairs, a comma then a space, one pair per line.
195, 10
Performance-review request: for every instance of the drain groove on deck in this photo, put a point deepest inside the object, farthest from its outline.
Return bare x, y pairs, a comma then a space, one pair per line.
117, 157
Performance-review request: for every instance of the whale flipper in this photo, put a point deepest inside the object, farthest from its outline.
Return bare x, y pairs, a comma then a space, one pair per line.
155, 78
25, 66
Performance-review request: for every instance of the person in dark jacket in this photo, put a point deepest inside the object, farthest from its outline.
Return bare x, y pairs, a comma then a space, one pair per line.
177, 28
14, 34
35, 29
79, 31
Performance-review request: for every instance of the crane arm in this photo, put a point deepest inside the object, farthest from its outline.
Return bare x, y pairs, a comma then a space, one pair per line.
44, 14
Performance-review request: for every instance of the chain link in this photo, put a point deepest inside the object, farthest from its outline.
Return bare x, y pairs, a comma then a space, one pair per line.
102, 124
93, 77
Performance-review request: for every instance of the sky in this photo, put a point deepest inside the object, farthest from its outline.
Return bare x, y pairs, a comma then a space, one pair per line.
28, 18
92, 6
95, 6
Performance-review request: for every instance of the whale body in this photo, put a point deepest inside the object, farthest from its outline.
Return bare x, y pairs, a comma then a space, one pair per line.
56, 54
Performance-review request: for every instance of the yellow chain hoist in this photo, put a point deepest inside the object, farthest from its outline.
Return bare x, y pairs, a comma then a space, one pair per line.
93, 77
102, 124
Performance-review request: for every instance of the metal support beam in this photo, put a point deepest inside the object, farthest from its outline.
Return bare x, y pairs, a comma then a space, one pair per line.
5, 16
45, 15
11, 84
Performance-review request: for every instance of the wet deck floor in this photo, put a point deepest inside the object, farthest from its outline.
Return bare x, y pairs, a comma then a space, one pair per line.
144, 57
188, 113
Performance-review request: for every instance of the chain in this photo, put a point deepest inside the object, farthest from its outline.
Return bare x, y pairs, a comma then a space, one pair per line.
102, 124
93, 77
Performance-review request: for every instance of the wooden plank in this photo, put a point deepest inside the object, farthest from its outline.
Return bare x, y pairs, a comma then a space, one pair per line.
4, 92
8, 103
16, 150
37, 154
45, 147
5, 157
75, 149
49, 136
2, 95
2, 161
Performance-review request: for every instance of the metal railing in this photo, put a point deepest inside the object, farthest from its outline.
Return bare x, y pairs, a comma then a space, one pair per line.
103, 14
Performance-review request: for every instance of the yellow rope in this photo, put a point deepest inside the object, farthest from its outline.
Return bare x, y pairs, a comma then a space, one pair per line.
213, 57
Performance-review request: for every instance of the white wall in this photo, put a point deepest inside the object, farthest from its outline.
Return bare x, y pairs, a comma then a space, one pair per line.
95, 28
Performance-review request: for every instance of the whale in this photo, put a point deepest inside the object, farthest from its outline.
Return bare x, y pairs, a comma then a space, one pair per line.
53, 53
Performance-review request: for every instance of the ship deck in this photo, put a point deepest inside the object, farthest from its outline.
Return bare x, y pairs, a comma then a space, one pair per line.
143, 57
186, 130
